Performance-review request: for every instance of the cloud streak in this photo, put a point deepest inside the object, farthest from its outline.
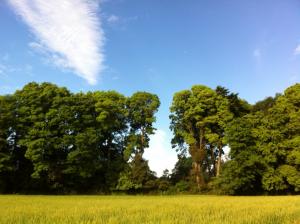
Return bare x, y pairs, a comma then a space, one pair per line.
69, 31
113, 19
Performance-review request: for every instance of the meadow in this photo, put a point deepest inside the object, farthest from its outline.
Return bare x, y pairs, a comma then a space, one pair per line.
149, 209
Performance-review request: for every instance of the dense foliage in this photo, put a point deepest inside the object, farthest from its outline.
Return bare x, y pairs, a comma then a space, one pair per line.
264, 140
265, 148
55, 141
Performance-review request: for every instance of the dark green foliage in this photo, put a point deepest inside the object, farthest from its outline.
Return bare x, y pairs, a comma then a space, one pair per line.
265, 148
53, 141
6, 147
265, 104
137, 176
192, 113
182, 169
141, 109
198, 120
242, 174
263, 139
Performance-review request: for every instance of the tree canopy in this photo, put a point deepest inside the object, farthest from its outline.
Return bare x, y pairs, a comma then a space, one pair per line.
52, 140
57, 142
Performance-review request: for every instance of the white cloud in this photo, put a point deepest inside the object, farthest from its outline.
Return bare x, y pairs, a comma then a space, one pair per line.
160, 154
297, 50
113, 19
69, 30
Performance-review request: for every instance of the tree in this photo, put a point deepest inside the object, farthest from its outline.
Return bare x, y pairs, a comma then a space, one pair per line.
137, 177
141, 107
266, 104
35, 108
279, 142
112, 126
229, 109
193, 114
54, 141
6, 134
182, 169
164, 182
265, 148
243, 172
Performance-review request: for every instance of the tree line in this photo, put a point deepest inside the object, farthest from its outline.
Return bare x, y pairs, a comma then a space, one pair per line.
54, 141
264, 141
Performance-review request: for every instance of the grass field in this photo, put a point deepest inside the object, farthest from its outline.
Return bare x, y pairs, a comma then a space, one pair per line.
149, 209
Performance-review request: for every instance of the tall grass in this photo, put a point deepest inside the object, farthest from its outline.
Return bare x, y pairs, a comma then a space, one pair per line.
149, 209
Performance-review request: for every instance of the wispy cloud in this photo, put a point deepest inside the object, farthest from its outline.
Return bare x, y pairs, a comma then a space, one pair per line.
118, 22
297, 50
113, 19
8, 69
69, 31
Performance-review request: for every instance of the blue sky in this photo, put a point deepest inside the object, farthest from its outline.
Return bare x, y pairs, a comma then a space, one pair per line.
251, 47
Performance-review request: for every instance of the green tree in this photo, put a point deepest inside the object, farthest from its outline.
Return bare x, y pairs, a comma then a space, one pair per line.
6, 136
112, 126
182, 169
35, 105
141, 107
54, 141
197, 120
189, 111
243, 172
265, 148
279, 142
137, 177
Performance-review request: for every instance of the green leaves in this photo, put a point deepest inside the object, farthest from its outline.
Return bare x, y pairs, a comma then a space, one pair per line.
141, 107
63, 142
198, 119
272, 133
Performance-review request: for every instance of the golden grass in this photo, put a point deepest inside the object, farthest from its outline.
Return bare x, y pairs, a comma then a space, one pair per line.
149, 209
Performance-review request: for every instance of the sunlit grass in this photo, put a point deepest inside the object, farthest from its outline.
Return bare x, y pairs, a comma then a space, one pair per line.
149, 209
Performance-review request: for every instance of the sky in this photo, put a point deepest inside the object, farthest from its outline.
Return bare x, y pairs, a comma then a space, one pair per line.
160, 46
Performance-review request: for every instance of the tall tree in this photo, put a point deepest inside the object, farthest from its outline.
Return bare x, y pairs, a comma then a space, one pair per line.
41, 138
243, 172
279, 142
230, 106
265, 148
6, 137
193, 114
141, 107
112, 126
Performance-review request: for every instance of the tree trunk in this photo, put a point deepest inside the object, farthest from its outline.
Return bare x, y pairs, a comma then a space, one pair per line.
199, 175
219, 160
201, 153
142, 141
